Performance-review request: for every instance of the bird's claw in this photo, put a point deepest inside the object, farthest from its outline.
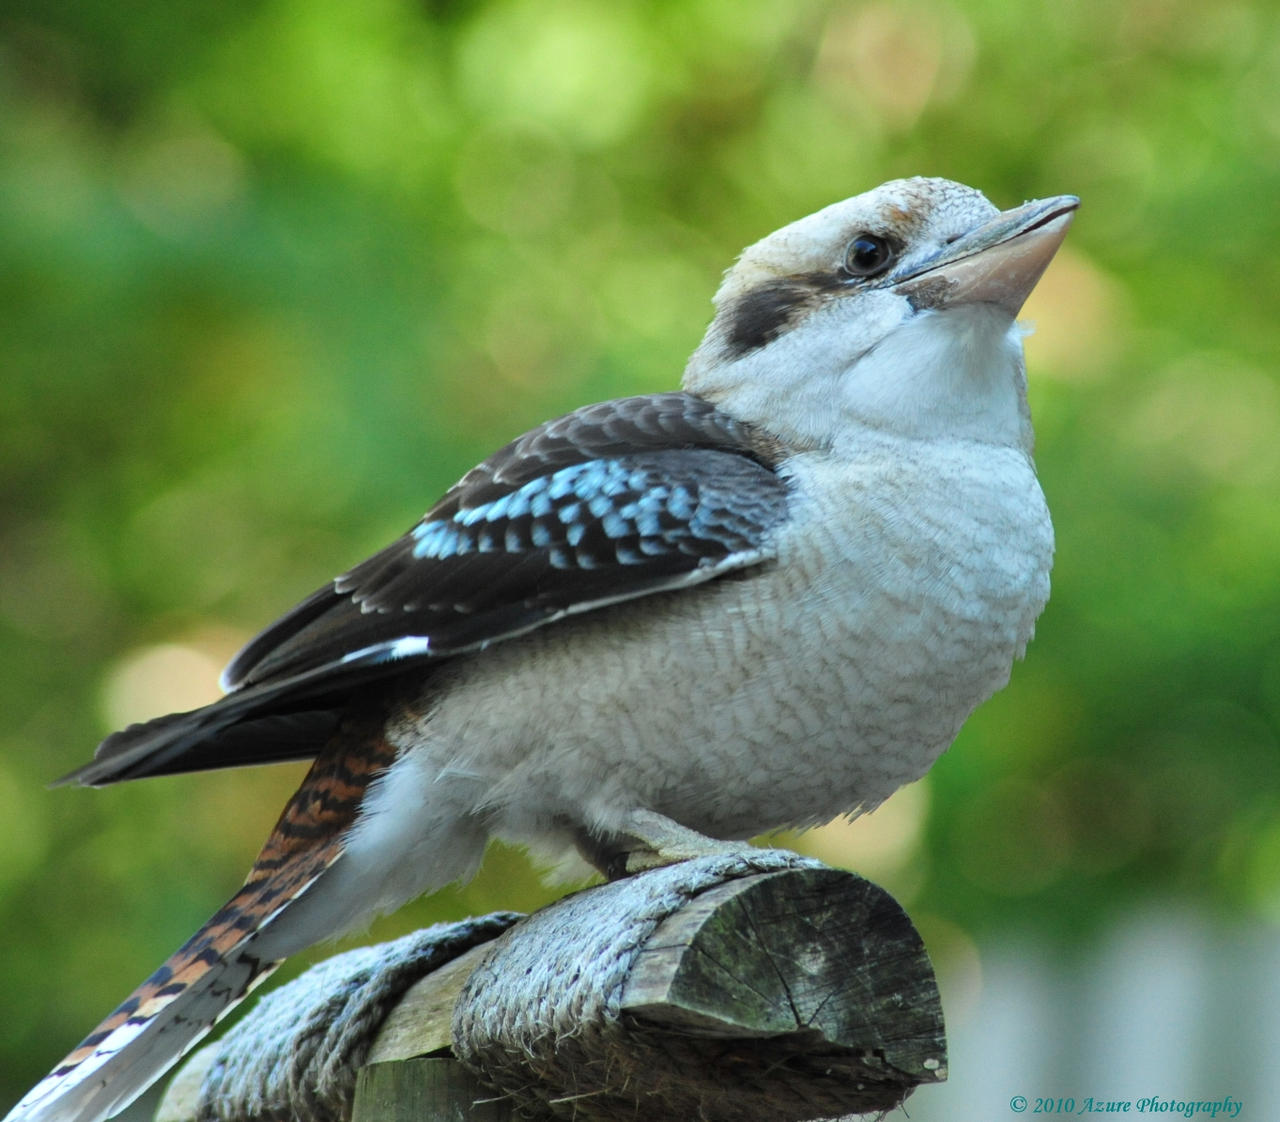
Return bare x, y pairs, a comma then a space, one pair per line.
648, 840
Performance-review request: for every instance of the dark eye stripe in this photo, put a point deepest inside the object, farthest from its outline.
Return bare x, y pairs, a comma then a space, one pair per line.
761, 315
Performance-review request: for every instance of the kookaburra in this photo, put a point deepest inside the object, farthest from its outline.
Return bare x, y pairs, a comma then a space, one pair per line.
650, 627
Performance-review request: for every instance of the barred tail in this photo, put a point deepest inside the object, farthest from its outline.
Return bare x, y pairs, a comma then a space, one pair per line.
163, 1018
214, 970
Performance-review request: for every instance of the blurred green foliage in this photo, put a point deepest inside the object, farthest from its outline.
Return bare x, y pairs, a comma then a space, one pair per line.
272, 275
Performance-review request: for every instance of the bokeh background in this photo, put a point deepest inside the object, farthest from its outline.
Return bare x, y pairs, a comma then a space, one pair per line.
272, 275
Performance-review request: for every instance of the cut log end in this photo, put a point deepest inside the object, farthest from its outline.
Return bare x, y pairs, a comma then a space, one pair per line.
783, 996
790, 990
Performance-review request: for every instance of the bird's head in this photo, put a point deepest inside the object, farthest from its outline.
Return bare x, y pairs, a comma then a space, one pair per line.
892, 311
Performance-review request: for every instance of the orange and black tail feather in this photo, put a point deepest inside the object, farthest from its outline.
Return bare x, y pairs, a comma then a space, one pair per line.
219, 965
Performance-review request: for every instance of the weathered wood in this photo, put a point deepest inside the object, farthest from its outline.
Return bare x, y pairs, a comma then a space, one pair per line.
422, 1023
425, 1090
778, 997
776, 991
815, 973
811, 951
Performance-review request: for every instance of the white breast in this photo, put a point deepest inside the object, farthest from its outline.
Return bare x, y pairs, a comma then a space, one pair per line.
905, 586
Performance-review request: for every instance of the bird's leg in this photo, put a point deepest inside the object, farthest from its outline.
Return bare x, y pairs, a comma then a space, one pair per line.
648, 840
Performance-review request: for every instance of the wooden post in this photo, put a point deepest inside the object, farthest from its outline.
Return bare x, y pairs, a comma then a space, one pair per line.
425, 1090
773, 990
779, 997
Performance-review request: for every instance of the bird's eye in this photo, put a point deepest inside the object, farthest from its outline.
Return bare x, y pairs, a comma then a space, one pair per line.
868, 255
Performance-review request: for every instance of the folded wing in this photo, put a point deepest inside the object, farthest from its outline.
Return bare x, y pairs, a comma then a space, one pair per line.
610, 503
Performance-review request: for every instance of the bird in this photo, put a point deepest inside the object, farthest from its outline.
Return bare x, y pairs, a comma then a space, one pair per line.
650, 629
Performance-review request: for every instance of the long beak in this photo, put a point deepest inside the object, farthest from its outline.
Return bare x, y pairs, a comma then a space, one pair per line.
998, 263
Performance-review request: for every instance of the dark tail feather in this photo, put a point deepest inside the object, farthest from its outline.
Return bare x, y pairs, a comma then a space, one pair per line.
287, 719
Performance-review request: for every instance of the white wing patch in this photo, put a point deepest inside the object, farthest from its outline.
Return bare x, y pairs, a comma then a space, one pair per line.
406, 647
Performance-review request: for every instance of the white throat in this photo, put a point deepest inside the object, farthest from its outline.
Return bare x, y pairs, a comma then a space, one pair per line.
957, 374
953, 374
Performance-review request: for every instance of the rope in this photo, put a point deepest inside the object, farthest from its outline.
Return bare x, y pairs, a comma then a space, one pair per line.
296, 1056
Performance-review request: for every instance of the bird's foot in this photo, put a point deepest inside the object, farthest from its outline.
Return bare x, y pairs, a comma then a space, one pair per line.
648, 840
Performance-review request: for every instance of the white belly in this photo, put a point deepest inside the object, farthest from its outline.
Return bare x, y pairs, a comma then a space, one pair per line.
902, 593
